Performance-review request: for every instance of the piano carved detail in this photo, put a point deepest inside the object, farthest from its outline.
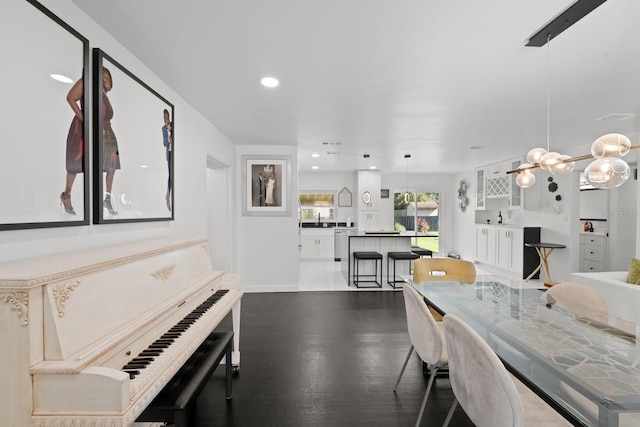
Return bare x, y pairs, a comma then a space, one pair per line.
61, 293
164, 273
19, 301
205, 247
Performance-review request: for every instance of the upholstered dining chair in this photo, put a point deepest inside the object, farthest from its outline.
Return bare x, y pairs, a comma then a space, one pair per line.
483, 387
443, 270
578, 299
426, 339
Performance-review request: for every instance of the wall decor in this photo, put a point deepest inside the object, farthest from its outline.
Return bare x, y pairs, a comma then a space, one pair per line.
384, 193
134, 148
344, 197
42, 180
462, 196
266, 182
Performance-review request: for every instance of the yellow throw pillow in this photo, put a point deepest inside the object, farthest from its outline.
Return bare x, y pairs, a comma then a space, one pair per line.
634, 272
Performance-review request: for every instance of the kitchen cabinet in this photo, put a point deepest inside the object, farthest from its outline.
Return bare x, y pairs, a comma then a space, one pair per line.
593, 250
516, 194
493, 183
485, 244
510, 245
370, 182
369, 221
369, 216
504, 247
317, 244
480, 192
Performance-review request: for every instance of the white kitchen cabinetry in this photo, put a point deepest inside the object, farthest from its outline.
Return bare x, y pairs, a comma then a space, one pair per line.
368, 197
593, 249
480, 190
504, 247
317, 244
493, 183
369, 182
486, 244
510, 243
369, 221
516, 194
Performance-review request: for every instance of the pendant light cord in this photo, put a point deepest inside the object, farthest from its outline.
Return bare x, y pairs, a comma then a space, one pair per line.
548, 88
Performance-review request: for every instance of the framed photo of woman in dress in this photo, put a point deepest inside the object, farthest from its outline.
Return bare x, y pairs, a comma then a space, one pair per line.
134, 147
45, 137
266, 181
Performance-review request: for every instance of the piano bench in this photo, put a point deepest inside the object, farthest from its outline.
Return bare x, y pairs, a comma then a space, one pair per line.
175, 401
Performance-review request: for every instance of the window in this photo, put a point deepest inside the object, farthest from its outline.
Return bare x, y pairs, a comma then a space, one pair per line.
317, 206
421, 215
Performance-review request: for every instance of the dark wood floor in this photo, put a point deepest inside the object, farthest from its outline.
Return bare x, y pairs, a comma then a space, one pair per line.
324, 359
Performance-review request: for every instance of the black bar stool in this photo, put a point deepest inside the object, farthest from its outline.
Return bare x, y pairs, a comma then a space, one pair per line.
357, 257
399, 256
421, 251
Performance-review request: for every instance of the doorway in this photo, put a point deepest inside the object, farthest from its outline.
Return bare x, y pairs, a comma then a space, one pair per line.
219, 215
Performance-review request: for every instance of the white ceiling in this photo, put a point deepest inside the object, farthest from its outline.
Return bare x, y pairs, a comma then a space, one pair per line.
427, 77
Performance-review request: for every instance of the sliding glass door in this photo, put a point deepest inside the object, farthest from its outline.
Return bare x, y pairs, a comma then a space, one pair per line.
418, 213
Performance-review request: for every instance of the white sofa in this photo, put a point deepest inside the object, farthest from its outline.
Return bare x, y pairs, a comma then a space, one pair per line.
622, 298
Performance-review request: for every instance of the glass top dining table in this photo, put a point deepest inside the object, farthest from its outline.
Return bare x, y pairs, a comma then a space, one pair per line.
588, 371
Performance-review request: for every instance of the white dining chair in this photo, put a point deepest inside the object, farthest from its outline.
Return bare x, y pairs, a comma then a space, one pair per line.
426, 339
484, 388
578, 299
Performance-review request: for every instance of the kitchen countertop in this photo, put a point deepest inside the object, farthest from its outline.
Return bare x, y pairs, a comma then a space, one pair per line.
594, 233
506, 225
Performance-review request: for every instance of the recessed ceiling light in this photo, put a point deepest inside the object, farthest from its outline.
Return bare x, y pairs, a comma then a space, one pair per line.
372, 167
269, 82
61, 78
315, 155
314, 167
144, 166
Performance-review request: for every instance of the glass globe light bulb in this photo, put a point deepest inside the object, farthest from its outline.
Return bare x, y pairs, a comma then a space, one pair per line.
607, 173
534, 155
525, 177
549, 159
562, 168
610, 145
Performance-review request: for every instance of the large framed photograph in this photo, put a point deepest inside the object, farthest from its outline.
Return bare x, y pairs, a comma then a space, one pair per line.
134, 148
44, 175
266, 181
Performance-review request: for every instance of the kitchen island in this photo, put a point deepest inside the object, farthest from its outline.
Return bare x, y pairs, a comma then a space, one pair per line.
382, 242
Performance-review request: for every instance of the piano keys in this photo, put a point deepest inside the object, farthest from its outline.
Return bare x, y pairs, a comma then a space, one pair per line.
86, 327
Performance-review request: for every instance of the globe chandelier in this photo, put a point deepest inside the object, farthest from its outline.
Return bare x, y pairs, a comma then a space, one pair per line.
607, 171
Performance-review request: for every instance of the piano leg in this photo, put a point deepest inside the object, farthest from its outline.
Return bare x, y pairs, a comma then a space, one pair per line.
235, 356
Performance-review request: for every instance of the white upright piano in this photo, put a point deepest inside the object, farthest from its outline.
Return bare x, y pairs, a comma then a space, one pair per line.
69, 323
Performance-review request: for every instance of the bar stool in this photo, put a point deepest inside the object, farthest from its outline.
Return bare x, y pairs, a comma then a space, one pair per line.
399, 256
357, 257
421, 251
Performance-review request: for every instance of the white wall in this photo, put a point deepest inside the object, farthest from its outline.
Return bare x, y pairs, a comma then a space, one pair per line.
196, 140
267, 246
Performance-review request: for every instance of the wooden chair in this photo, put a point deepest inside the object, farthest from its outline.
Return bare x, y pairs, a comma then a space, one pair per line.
443, 270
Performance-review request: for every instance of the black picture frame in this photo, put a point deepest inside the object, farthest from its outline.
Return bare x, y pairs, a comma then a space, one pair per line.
40, 68
142, 166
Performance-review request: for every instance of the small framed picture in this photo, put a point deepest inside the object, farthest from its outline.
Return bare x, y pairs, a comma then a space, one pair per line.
384, 193
266, 184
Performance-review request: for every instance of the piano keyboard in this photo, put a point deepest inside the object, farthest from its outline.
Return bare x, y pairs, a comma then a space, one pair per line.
148, 361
